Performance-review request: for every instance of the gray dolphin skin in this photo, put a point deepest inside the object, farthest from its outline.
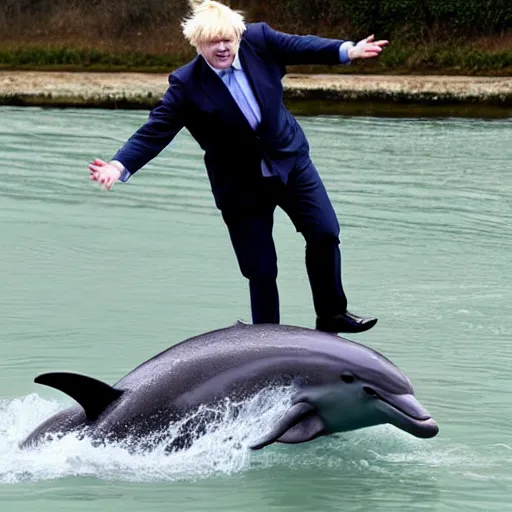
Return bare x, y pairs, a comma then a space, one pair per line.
337, 385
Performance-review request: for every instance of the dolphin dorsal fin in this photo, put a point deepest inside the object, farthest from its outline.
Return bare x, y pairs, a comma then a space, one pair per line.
93, 395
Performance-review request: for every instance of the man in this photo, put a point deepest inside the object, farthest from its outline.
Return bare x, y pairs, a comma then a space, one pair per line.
257, 157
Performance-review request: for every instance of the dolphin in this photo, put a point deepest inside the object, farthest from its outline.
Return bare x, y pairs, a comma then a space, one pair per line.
337, 385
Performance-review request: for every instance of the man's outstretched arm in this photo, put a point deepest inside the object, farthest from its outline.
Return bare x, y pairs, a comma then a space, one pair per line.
309, 49
164, 123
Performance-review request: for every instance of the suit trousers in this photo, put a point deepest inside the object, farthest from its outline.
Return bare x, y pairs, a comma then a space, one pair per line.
304, 199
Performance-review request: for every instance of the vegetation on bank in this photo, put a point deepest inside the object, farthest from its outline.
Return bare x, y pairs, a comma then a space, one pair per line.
426, 36
442, 58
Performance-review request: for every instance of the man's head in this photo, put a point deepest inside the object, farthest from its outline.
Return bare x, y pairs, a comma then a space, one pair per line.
215, 31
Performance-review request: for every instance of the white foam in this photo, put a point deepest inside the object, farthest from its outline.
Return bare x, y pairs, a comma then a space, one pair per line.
223, 449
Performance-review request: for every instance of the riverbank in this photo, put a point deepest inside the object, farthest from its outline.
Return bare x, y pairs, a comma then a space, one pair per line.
414, 95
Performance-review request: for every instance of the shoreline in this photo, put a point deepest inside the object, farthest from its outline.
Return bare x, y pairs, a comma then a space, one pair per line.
313, 94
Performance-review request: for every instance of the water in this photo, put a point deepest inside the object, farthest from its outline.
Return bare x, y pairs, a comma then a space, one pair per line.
96, 282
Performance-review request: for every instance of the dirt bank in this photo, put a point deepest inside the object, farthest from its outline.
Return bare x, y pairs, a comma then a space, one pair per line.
305, 94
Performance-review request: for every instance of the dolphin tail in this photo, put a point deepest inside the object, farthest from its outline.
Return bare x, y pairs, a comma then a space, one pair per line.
93, 395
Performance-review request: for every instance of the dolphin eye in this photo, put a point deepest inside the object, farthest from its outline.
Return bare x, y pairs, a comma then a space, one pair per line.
369, 391
348, 378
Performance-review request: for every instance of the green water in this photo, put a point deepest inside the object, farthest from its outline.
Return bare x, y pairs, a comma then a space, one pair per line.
97, 282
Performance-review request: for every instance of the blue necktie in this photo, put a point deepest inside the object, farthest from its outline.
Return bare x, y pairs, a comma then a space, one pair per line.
229, 78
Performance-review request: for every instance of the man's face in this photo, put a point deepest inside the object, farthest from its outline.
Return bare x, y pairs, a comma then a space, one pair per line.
219, 52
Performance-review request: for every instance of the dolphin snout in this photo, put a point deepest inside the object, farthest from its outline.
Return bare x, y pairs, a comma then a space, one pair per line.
407, 404
409, 415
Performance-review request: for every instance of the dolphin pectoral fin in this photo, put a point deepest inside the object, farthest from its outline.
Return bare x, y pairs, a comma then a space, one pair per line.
307, 429
295, 414
93, 395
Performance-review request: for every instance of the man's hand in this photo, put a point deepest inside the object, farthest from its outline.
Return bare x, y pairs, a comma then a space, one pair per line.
366, 48
105, 173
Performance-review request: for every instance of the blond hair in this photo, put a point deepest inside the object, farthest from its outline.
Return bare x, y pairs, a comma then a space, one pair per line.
210, 20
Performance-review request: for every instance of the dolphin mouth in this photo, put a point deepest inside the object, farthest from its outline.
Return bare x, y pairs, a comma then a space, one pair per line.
409, 415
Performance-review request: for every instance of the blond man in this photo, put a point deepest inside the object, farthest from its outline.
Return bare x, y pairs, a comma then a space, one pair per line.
230, 99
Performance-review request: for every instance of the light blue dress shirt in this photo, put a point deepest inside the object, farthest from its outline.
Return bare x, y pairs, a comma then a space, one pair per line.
238, 85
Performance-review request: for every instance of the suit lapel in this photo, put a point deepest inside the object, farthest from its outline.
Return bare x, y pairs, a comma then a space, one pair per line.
257, 74
251, 65
219, 94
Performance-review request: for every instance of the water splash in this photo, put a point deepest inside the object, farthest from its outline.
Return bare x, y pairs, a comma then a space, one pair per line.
222, 450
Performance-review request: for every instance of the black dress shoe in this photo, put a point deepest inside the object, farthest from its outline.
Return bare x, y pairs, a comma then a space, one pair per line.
344, 322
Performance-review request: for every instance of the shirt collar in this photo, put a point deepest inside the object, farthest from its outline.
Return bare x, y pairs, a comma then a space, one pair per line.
236, 64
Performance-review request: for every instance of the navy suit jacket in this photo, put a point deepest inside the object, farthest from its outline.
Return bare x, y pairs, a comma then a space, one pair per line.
198, 100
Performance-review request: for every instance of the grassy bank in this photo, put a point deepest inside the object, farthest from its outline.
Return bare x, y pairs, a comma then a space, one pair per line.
53, 57
445, 58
